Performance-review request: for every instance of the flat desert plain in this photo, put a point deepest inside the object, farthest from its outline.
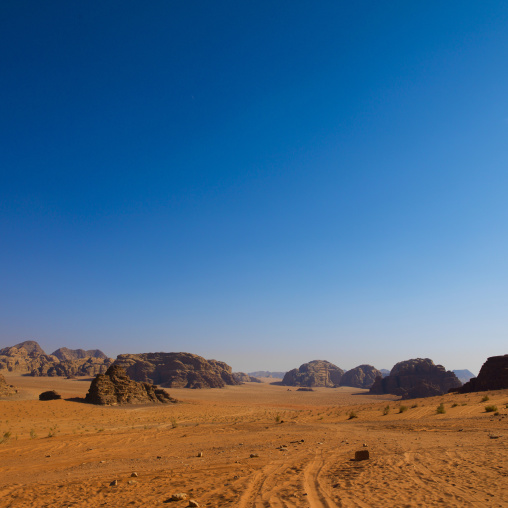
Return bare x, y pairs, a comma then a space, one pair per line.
253, 445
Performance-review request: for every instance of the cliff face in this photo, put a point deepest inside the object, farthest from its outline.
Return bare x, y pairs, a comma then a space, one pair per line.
178, 370
492, 376
5, 388
362, 376
315, 373
242, 377
29, 358
416, 378
115, 387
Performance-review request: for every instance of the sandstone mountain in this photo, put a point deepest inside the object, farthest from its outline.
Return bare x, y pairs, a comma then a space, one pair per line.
314, 373
177, 370
65, 354
5, 388
242, 377
492, 376
362, 376
29, 358
416, 378
115, 387
463, 375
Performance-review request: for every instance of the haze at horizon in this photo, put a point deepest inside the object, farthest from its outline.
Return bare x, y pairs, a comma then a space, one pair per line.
261, 184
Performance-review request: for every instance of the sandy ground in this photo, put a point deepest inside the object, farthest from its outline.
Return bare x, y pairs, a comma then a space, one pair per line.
66, 453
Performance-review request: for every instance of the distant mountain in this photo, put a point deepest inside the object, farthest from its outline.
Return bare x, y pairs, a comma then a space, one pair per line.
314, 373
266, 373
64, 354
464, 375
384, 372
32, 348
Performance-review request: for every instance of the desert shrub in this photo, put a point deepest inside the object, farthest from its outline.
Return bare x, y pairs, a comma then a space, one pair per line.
386, 410
440, 410
414, 405
33, 435
485, 398
352, 415
454, 404
403, 409
7, 435
277, 419
490, 409
174, 423
496, 413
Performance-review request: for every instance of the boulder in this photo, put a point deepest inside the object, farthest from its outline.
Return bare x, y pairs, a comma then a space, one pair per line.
115, 387
492, 376
177, 370
241, 377
362, 376
314, 373
50, 395
416, 378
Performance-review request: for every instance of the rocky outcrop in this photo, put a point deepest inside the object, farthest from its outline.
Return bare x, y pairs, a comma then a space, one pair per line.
362, 376
315, 373
492, 376
115, 387
73, 368
177, 370
65, 354
416, 378
50, 395
29, 358
463, 375
5, 388
242, 377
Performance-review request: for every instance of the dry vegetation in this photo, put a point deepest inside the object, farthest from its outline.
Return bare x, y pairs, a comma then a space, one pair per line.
65, 453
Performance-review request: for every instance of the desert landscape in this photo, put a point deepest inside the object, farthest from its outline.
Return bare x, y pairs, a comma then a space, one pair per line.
251, 445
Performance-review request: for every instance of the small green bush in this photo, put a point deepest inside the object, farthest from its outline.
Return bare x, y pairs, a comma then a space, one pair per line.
352, 415
485, 398
386, 410
403, 409
454, 404
33, 435
6, 437
490, 409
440, 410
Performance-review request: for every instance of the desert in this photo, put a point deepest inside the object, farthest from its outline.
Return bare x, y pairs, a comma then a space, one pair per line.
251, 445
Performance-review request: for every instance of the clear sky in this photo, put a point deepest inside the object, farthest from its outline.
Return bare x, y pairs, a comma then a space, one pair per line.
264, 183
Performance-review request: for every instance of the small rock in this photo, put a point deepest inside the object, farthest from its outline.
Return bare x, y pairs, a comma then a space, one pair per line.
253, 455
114, 483
362, 455
200, 454
365, 445
132, 481
181, 496
159, 457
193, 503
102, 461
47, 456
134, 475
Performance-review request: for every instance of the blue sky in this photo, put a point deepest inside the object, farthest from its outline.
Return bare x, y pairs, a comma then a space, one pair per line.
265, 183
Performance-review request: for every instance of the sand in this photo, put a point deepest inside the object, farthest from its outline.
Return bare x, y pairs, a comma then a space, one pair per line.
66, 453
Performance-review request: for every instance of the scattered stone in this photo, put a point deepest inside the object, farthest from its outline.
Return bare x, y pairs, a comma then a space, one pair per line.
200, 454
180, 496
494, 436
132, 481
134, 475
193, 503
48, 455
362, 455
159, 457
114, 483
253, 455
50, 395
365, 445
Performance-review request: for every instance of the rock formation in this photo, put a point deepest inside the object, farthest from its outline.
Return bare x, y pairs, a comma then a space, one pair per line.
65, 354
362, 376
29, 358
5, 388
492, 376
50, 395
315, 373
416, 378
177, 370
115, 387
241, 377
384, 372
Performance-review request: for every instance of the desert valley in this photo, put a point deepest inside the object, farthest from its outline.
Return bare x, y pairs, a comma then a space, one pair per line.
259, 443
